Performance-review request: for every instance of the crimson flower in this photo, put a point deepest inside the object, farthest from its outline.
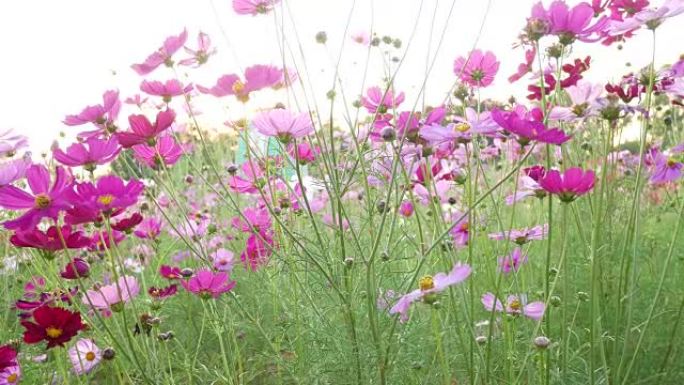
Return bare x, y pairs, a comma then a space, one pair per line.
8, 357
50, 240
53, 324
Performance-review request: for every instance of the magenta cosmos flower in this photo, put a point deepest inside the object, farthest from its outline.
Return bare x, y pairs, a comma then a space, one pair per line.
528, 126
13, 170
162, 55
90, 154
164, 152
283, 124
429, 287
208, 284
667, 168
570, 23
113, 296
200, 55
379, 101
167, 90
101, 115
253, 7
256, 220
574, 182
256, 77
84, 356
108, 197
10, 142
514, 306
478, 69
43, 201
142, 131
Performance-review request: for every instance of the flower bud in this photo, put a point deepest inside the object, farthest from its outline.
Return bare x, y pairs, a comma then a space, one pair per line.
232, 169
481, 340
108, 354
542, 342
555, 301
187, 272
77, 268
582, 296
165, 336
388, 134
321, 37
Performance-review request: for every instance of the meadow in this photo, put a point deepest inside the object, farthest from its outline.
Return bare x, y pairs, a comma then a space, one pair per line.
388, 240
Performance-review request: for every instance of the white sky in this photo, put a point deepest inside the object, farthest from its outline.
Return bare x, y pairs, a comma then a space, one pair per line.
59, 56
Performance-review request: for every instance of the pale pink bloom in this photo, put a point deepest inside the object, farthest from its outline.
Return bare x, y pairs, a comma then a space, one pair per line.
650, 17
253, 7
101, 115
201, 54
136, 100
527, 187
361, 37
162, 55
379, 101
585, 102
429, 287
478, 69
113, 296
514, 306
84, 356
283, 124
222, 260
522, 236
525, 67
14, 169
256, 77
10, 142
438, 191
166, 90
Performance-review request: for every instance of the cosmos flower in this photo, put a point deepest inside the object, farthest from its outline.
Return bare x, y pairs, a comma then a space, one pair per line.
50, 240
113, 296
528, 126
380, 102
429, 287
478, 69
258, 249
253, 7
166, 151
667, 167
515, 305
108, 197
44, 201
256, 220
55, 325
163, 55
283, 124
522, 236
93, 152
222, 260
257, 77
84, 356
574, 182
574, 23
512, 262
163, 292
200, 55
13, 170
103, 116
142, 131
649, 17
10, 375
8, 357
167, 90
75, 269
207, 284
361, 37
149, 228
10, 142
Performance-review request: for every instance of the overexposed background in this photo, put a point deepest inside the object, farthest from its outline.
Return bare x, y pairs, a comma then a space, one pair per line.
59, 56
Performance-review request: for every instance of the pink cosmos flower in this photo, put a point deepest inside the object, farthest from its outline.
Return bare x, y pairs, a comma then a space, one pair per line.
667, 167
101, 240
164, 152
464, 128
167, 90
437, 192
84, 356
429, 287
43, 202
90, 154
257, 77
585, 102
361, 37
303, 153
13, 170
201, 54
522, 236
283, 124
258, 249
149, 228
257, 220
106, 198
207, 284
102, 115
406, 208
223, 260
380, 102
10, 142
142, 131
253, 7
573, 23
514, 306
10, 375
50, 239
136, 100
528, 126
170, 272
574, 182
162, 55
461, 232
512, 262
525, 67
113, 296
254, 178
478, 69
650, 17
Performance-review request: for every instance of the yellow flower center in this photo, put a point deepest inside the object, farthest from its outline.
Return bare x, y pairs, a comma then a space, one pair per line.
90, 356
462, 127
465, 226
106, 199
515, 304
238, 87
42, 201
12, 378
53, 332
426, 283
